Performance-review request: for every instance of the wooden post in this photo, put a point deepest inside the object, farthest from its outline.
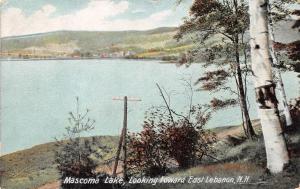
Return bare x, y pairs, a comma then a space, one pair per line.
125, 139
118, 154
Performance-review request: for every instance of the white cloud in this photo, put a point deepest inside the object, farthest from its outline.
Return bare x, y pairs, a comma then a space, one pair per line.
95, 16
161, 15
154, 20
136, 11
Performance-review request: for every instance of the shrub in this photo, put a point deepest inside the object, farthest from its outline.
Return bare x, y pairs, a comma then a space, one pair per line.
76, 157
167, 139
146, 154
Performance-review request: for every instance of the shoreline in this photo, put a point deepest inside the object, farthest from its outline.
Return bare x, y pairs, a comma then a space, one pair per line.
160, 61
92, 58
70, 58
221, 132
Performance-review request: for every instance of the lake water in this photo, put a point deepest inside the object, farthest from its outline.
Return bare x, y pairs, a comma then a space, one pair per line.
36, 96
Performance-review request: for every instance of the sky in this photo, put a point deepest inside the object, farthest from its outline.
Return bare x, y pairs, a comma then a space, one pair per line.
22, 17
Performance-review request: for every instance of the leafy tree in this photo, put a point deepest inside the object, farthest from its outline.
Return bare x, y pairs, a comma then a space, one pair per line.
77, 157
227, 20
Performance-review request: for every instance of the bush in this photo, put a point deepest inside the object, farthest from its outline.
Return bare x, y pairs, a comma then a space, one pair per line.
146, 154
167, 140
76, 157
184, 145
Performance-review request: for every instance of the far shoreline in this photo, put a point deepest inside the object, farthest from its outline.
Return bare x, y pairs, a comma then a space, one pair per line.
161, 61
87, 58
70, 58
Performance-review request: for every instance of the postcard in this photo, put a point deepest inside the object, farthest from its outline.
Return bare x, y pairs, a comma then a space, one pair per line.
106, 94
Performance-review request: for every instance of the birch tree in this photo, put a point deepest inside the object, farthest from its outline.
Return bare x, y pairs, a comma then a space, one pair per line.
275, 145
278, 11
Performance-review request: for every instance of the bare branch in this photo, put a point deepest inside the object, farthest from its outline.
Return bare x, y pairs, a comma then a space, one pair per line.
162, 95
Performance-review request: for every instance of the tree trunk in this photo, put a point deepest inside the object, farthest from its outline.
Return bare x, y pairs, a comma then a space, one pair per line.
249, 132
243, 103
286, 110
276, 150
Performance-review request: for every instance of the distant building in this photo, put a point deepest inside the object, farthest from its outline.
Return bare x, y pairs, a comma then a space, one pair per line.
129, 53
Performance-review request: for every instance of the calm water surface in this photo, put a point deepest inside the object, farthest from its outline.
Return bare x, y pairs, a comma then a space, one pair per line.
36, 96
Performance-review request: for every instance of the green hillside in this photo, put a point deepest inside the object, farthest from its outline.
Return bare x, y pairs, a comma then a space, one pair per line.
157, 43
151, 43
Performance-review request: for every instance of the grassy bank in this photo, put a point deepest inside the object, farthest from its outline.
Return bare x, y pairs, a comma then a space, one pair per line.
234, 156
34, 167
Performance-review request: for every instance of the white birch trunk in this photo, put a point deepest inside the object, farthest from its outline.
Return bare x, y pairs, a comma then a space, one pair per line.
286, 110
277, 155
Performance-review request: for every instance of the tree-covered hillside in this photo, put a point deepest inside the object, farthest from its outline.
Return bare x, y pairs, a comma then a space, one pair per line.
156, 43
142, 44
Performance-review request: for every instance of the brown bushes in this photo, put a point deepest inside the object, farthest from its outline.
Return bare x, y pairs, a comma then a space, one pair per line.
166, 142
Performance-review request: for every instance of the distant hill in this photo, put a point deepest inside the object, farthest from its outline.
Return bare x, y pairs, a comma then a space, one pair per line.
157, 42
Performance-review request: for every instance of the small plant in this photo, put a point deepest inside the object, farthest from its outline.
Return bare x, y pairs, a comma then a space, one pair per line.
77, 157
